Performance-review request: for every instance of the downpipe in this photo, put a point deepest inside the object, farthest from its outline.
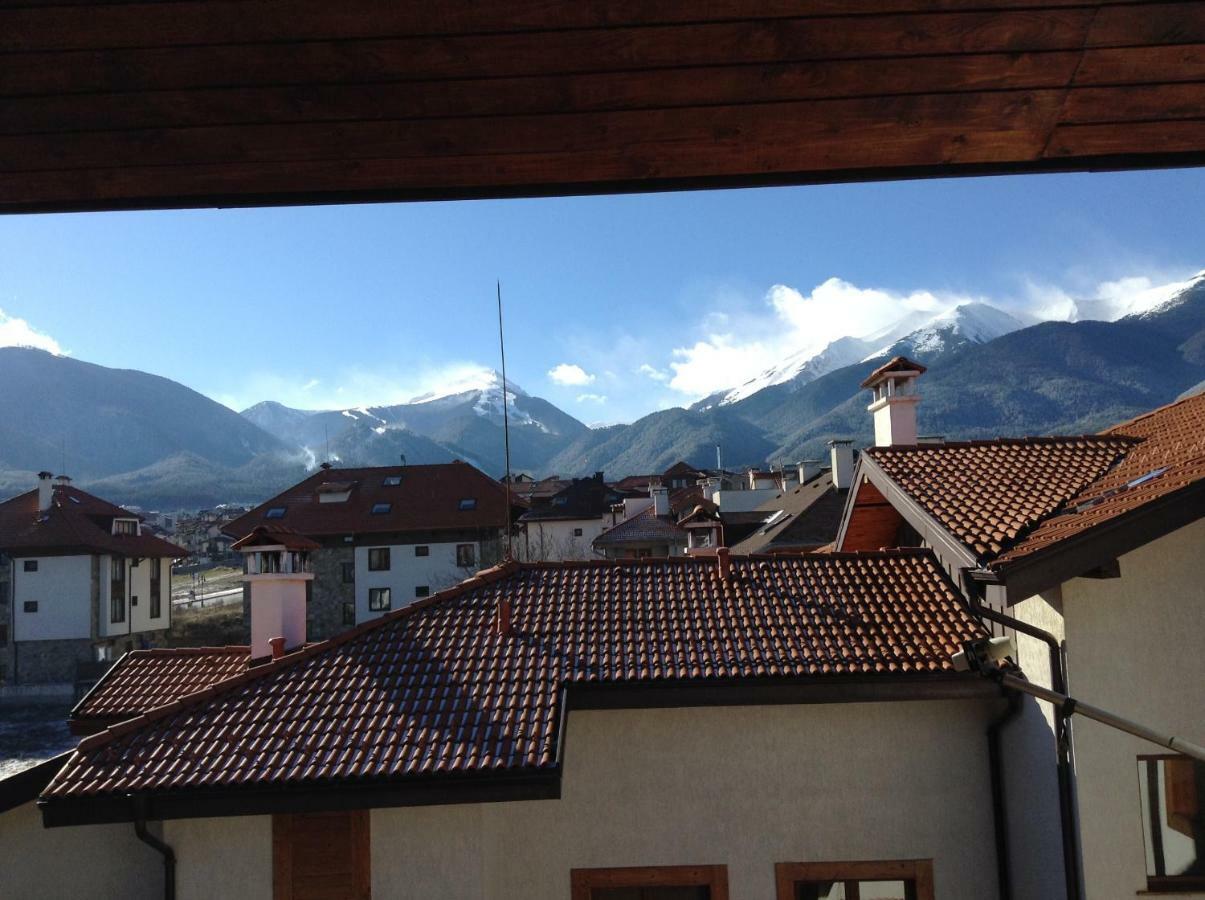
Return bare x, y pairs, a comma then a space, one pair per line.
995, 757
1062, 733
163, 849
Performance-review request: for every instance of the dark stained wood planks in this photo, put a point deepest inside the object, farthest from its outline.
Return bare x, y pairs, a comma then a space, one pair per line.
196, 102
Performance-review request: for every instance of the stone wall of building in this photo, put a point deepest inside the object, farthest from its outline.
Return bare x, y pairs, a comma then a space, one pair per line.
324, 617
6, 618
50, 662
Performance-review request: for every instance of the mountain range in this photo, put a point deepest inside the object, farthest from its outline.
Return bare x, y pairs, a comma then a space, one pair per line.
141, 439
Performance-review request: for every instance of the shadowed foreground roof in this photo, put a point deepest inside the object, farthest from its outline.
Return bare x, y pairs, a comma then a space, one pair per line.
144, 679
434, 689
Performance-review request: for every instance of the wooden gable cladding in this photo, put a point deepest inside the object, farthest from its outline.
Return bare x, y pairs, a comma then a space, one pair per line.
200, 102
873, 521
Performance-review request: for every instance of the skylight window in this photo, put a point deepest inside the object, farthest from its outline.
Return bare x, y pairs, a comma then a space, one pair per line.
467, 503
275, 512
1149, 476
392, 480
381, 509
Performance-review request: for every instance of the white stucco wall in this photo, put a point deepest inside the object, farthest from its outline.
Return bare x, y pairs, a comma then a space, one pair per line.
554, 539
742, 786
140, 587
62, 587
1031, 761
406, 572
98, 861
1134, 647
221, 857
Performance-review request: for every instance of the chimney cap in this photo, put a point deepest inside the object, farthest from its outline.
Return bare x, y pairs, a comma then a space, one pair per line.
326, 465
43, 475
897, 366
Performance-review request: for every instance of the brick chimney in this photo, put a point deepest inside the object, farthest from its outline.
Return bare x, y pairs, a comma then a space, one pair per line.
276, 568
894, 401
45, 491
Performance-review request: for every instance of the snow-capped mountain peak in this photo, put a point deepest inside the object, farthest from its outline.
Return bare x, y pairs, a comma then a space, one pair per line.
484, 381
975, 322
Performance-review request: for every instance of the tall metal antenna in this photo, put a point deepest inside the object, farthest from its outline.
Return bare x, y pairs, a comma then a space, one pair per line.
326, 431
505, 424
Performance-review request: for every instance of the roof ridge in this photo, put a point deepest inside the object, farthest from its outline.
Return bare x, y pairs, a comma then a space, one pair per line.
1112, 429
1099, 437
191, 651
254, 673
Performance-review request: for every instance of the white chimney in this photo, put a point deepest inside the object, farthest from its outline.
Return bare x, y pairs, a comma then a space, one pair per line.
276, 566
808, 469
45, 491
660, 495
894, 401
842, 453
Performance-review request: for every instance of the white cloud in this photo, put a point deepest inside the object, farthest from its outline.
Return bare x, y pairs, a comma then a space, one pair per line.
15, 332
591, 398
1108, 300
351, 387
570, 374
653, 373
735, 349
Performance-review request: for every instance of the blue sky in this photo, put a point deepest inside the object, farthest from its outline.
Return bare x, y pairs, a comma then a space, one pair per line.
615, 306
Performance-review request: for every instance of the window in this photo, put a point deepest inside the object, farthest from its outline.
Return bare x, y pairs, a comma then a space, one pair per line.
651, 883
378, 559
125, 526
275, 512
378, 599
30, 606
577, 532
349, 613
381, 509
466, 555
156, 589
422, 590
117, 589
31, 565
1172, 791
392, 480
422, 550
468, 503
348, 570
904, 879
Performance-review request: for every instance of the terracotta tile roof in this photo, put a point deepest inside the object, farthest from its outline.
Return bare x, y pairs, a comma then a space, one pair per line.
643, 528
1009, 498
583, 498
1169, 457
435, 688
144, 679
77, 522
427, 498
989, 493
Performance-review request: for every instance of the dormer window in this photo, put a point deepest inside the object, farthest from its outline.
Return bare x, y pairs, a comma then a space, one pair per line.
125, 526
381, 509
467, 503
392, 480
275, 512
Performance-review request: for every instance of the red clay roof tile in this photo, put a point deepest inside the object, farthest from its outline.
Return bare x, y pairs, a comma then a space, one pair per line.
1012, 497
145, 679
435, 688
